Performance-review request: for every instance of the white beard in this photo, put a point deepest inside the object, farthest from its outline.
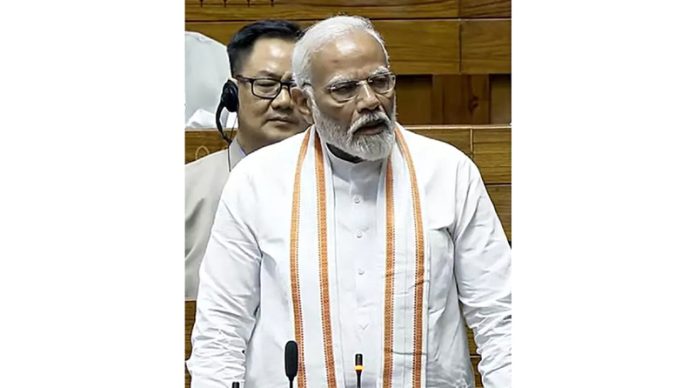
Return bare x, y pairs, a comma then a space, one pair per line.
366, 147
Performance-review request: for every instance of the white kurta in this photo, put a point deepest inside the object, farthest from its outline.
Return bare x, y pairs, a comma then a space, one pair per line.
359, 279
244, 319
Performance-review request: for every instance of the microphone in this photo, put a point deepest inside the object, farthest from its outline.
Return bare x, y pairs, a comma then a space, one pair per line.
291, 360
358, 366
235, 385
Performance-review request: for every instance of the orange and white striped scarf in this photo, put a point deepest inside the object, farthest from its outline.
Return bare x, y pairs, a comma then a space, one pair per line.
313, 275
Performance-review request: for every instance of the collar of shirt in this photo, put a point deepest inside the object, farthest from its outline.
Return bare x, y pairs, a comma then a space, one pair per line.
349, 171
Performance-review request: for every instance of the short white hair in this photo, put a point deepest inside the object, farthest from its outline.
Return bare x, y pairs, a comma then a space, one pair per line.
321, 33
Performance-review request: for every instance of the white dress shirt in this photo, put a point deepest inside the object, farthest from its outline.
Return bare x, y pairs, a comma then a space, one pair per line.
243, 316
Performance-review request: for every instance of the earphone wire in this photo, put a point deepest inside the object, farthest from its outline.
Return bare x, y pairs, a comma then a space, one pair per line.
229, 145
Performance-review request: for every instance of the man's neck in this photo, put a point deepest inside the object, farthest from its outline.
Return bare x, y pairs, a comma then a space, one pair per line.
244, 143
343, 155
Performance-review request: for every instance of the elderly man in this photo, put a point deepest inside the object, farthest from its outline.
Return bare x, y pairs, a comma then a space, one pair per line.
355, 237
260, 57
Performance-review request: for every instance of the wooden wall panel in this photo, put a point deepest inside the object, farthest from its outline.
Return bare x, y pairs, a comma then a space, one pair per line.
243, 10
413, 99
475, 360
485, 8
189, 320
421, 46
222, 31
406, 41
501, 99
460, 99
492, 154
485, 46
457, 136
454, 99
201, 143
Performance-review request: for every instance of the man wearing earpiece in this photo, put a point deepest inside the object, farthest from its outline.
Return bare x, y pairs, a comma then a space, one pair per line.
260, 56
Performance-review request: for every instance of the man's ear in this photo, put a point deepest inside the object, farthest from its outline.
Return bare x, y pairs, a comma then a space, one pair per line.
301, 102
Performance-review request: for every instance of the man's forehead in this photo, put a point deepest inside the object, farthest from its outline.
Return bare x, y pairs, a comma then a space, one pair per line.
352, 55
270, 56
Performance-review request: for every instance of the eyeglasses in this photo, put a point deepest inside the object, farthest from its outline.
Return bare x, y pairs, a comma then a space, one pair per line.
343, 91
266, 88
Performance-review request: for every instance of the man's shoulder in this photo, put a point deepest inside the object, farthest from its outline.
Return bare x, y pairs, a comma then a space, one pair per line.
207, 170
214, 160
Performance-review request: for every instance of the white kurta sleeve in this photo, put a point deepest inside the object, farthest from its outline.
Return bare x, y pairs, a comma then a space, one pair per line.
228, 294
482, 272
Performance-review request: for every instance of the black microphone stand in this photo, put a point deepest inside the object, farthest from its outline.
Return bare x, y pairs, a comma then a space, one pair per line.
358, 366
291, 361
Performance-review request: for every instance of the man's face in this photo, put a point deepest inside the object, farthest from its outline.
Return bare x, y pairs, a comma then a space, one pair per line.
266, 121
362, 126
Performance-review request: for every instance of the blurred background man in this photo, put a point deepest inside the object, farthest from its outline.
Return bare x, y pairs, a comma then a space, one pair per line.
258, 91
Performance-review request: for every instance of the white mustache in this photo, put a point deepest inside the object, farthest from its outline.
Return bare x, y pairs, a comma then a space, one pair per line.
369, 118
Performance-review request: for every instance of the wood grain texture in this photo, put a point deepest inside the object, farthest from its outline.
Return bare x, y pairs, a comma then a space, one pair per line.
189, 319
407, 42
492, 154
201, 143
421, 46
501, 99
485, 8
451, 99
475, 360
413, 101
460, 99
242, 10
458, 136
485, 46
501, 196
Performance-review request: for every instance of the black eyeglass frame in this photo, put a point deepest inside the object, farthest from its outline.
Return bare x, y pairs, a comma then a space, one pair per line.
252, 81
